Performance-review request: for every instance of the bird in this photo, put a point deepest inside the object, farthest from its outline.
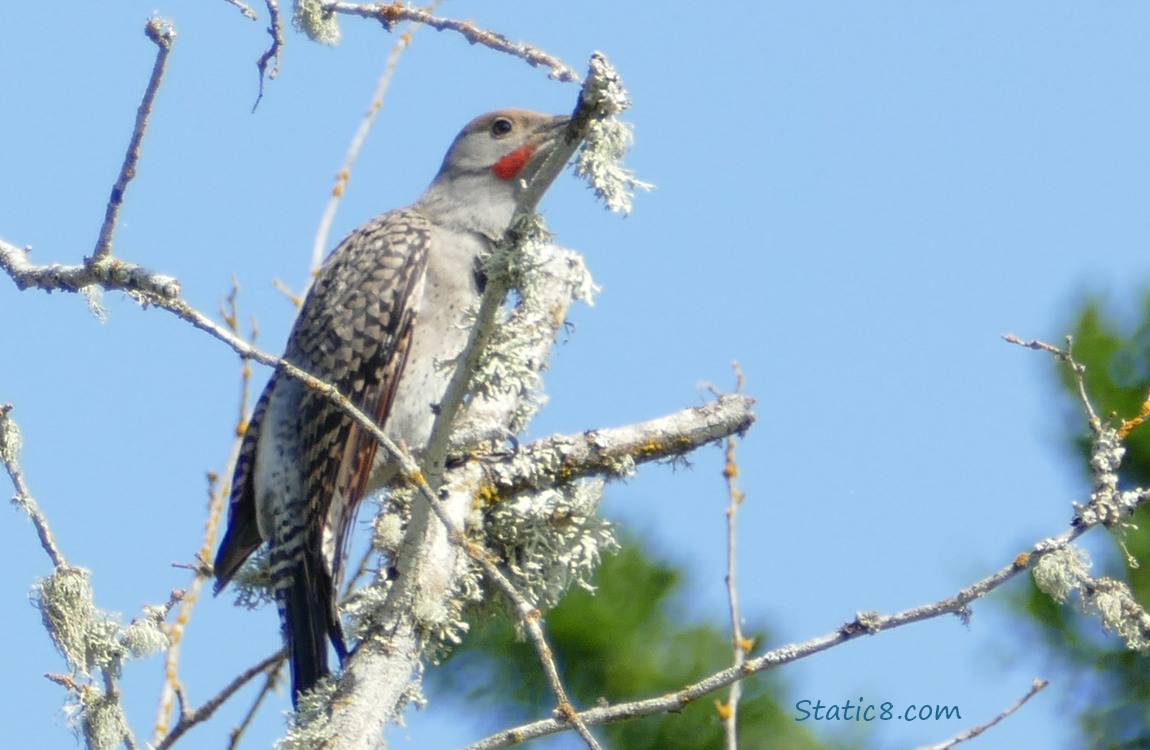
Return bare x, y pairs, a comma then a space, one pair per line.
383, 321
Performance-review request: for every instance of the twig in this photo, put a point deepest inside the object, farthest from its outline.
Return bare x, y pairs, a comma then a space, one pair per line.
217, 498
357, 141
729, 712
1064, 355
390, 14
272, 53
10, 444
189, 719
163, 33
1035, 688
244, 8
269, 683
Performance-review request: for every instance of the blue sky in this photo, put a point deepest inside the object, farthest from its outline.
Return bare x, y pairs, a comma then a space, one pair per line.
854, 201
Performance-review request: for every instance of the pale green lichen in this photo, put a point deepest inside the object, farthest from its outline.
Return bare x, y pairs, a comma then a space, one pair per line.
1119, 611
94, 297
600, 162
101, 719
85, 635
607, 139
510, 363
147, 635
550, 540
310, 726
11, 440
319, 25
1066, 571
1061, 572
91, 639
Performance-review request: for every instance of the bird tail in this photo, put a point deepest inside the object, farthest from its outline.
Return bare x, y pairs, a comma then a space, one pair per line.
309, 619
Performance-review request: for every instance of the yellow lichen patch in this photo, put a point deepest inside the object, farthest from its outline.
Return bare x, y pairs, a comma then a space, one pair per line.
486, 496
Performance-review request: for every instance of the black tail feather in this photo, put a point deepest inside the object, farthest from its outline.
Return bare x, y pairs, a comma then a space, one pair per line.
309, 619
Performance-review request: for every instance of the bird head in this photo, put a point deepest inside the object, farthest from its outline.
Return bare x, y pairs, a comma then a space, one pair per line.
488, 162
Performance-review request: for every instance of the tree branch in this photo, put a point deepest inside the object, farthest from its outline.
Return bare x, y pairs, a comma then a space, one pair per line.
613, 451
1036, 687
164, 35
390, 14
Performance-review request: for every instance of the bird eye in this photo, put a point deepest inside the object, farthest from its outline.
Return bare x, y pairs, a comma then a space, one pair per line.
501, 127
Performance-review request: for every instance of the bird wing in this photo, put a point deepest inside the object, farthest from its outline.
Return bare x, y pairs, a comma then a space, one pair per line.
354, 332
243, 534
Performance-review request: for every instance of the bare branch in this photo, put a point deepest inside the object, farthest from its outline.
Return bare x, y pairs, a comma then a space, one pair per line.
273, 676
244, 8
163, 33
1035, 688
390, 14
189, 719
729, 712
10, 444
217, 499
272, 54
357, 141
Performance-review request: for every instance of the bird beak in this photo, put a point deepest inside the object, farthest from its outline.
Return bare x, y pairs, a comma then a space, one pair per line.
546, 138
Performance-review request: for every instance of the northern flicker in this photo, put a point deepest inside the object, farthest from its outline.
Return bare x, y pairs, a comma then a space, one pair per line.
383, 322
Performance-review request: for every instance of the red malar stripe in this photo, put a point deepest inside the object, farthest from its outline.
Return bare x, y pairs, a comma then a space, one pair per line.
509, 166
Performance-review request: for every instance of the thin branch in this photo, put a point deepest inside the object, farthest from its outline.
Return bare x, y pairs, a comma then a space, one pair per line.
272, 53
729, 712
270, 682
1067, 356
244, 8
1035, 688
390, 14
357, 141
218, 494
10, 444
163, 33
217, 499
189, 719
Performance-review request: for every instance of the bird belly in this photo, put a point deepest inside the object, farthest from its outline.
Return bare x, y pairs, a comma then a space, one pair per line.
450, 296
